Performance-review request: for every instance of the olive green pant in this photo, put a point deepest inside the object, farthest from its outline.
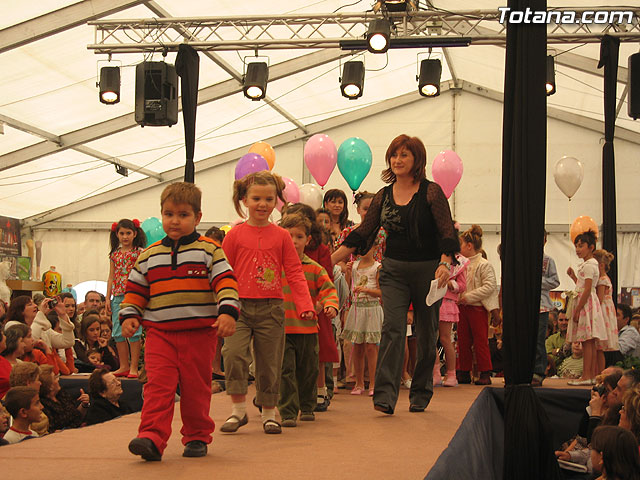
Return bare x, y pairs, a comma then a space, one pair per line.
263, 321
299, 375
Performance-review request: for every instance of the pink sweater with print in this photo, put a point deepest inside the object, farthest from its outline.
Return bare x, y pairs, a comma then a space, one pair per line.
258, 255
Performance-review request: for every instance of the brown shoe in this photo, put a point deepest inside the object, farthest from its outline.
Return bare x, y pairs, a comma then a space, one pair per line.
485, 379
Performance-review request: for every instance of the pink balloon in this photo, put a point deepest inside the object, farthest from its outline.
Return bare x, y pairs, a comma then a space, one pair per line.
320, 156
447, 171
291, 193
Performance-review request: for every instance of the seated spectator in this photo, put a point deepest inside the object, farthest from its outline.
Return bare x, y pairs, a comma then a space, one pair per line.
572, 367
62, 359
630, 378
95, 358
555, 344
4, 424
23, 403
105, 339
552, 325
34, 352
3, 312
5, 367
91, 302
630, 412
89, 339
628, 336
62, 411
22, 309
27, 374
105, 390
615, 454
70, 309
14, 347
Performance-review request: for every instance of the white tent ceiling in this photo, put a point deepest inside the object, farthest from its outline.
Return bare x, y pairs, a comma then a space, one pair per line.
48, 92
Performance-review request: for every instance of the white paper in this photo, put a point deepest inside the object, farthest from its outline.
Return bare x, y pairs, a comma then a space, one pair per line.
435, 293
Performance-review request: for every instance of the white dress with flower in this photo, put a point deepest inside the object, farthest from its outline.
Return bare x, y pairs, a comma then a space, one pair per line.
364, 319
609, 315
590, 323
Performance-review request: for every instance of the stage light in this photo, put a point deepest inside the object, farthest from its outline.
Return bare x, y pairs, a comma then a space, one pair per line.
352, 81
429, 77
109, 85
550, 85
255, 80
378, 35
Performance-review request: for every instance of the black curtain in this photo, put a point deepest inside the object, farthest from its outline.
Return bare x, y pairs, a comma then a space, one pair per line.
609, 54
188, 67
528, 442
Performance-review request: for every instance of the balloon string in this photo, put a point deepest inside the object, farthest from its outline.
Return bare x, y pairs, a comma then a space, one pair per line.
570, 223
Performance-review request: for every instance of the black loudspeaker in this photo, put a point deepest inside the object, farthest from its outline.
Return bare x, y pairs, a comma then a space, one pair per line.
634, 86
156, 94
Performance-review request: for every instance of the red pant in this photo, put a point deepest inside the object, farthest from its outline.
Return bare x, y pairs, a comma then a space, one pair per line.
173, 358
473, 329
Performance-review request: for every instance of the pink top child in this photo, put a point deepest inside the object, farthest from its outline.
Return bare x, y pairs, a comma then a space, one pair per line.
457, 284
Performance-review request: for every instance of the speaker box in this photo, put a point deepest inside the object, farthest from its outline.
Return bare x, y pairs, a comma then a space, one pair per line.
156, 94
634, 86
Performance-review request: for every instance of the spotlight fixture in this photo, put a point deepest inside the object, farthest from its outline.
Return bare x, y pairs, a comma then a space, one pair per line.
255, 80
429, 77
352, 81
378, 35
109, 85
550, 85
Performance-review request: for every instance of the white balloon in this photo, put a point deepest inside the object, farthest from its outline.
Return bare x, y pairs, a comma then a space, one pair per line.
310, 194
568, 174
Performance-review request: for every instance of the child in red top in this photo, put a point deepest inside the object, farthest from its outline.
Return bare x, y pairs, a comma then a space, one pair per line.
258, 251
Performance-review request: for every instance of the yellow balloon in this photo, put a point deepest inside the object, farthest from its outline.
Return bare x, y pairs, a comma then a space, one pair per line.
266, 150
225, 228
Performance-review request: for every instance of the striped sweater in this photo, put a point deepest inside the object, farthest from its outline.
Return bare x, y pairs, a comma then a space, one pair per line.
322, 291
181, 287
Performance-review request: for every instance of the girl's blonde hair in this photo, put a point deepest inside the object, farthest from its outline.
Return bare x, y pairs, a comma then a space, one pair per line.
241, 187
604, 257
474, 237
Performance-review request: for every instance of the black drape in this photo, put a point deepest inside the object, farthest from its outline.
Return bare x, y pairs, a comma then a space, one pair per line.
188, 67
528, 446
609, 54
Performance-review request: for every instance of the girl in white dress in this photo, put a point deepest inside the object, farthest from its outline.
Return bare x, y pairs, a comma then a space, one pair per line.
587, 322
364, 319
605, 295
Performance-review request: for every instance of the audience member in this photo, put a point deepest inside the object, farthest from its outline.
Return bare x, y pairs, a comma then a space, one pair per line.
5, 419
71, 309
61, 410
552, 326
105, 391
14, 347
628, 337
556, 345
27, 374
22, 309
614, 453
630, 412
23, 403
630, 378
89, 339
3, 312
5, 366
92, 300
572, 366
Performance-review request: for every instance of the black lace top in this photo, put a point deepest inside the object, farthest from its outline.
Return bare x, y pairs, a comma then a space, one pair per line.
421, 230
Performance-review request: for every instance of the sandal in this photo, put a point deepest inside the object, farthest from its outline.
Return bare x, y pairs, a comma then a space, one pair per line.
231, 426
271, 426
357, 391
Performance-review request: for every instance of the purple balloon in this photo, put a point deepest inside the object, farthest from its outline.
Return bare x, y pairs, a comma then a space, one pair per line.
250, 163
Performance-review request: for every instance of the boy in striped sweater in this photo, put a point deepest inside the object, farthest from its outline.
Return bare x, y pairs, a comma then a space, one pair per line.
300, 362
185, 294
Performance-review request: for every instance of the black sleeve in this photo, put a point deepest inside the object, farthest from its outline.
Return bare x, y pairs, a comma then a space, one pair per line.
447, 239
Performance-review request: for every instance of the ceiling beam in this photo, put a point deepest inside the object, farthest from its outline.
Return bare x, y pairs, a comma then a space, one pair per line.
558, 114
24, 127
230, 156
125, 122
227, 67
60, 20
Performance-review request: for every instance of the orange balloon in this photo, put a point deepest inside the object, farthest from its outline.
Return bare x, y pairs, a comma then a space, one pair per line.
582, 224
266, 150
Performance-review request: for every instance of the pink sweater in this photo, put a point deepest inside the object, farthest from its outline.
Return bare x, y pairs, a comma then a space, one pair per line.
258, 255
459, 279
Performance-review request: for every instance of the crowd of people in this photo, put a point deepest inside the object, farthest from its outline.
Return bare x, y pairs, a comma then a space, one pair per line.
303, 308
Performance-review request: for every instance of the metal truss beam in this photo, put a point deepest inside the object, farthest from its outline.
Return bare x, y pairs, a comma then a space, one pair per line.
60, 20
125, 122
328, 30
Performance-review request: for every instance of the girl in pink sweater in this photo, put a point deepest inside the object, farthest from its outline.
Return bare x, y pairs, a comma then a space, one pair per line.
258, 251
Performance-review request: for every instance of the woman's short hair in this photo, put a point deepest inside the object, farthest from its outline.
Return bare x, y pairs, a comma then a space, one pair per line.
24, 373
46, 380
417, 149
97, 385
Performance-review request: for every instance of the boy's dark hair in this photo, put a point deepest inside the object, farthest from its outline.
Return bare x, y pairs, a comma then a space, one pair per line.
18, 398
588, 237
308, 212
97, 385
15, 311
626, 311
619, 449
215, 233
333, 194
296, 221
23, 373
86, 295
14, 334
140, 240
182, 192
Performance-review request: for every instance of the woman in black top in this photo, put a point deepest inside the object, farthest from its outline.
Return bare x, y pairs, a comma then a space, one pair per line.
421, 244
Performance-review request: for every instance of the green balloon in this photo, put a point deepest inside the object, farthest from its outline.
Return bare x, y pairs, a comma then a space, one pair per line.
354, 161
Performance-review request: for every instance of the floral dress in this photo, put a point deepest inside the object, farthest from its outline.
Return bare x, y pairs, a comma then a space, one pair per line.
364, 319
609, 314
590, 324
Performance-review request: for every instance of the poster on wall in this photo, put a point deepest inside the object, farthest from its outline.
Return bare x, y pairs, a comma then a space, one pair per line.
10, 237
630, 296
